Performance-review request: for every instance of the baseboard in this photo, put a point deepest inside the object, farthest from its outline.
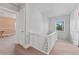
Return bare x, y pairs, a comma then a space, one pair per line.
27, 46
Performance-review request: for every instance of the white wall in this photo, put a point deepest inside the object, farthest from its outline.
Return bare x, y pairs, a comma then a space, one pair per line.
27, 19
45, 24
38, 22
51, 25
61, 34
27, 25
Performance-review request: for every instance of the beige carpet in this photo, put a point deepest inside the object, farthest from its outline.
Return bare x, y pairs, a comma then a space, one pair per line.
7, 45
64, 48
61, 48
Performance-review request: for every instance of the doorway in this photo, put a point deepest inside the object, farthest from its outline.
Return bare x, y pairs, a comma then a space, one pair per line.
7, 35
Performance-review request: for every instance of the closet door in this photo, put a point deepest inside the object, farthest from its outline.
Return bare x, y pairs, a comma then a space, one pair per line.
21, 27
74, 26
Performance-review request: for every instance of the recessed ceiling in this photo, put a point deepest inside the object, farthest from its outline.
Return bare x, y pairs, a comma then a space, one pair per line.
54, 9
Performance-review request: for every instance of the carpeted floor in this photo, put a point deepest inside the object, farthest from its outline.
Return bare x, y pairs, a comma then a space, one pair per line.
61, 48
64, 48
7, 45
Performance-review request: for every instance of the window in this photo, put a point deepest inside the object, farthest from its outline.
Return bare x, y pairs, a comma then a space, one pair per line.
59, 25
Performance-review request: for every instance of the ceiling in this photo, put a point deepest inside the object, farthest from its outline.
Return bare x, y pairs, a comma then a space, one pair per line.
48, 9
18, 5
12, 6
54, 9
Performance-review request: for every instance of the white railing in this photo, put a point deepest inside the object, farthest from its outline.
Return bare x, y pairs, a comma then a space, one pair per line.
52, 38
42, 42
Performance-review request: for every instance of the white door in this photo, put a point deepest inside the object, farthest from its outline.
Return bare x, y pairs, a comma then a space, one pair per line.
21, 27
